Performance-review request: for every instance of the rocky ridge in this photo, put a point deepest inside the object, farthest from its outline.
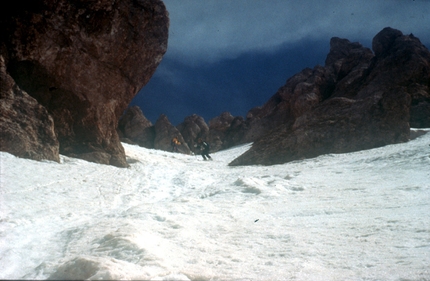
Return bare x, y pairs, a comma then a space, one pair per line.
359, 99
356, 101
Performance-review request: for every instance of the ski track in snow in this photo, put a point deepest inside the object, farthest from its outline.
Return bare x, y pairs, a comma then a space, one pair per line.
353, 216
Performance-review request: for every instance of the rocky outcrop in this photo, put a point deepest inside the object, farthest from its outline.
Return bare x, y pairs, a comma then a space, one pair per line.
402, 61
134, 126
306, 89
193, 128
165, 132
218, 128
356, 101
84, 61
26, 128
337, 125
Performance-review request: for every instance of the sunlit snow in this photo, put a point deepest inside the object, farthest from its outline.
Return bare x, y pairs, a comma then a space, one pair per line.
354, 216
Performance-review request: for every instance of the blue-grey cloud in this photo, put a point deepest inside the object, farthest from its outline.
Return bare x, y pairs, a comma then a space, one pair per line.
232, 55
211, 30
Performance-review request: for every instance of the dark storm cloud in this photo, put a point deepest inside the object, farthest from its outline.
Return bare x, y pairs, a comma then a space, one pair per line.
206, 31
233, 55
236, 85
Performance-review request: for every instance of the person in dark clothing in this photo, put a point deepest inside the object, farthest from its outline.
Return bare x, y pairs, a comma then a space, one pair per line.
204, 147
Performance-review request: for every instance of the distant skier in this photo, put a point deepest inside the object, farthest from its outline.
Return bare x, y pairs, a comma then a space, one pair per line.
175, 143
204, 147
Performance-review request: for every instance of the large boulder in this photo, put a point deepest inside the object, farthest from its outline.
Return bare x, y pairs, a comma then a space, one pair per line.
356, 101
133, 125
26, 128
218, 128
84, 61
165, 132
193, 128
235, 134
402, 60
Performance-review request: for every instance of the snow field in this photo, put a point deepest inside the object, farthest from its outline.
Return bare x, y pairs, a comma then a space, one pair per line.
354, 216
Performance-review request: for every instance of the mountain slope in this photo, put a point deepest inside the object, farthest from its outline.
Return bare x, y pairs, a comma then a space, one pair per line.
361, 215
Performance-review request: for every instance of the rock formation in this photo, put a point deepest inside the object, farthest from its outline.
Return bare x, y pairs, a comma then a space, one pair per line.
306, 89
218, 128
193, 128
84, 61
356, 101
26, 128
165, 132
405, 63
134, 126
338, 125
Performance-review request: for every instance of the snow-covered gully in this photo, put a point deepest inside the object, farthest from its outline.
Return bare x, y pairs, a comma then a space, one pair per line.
354, 216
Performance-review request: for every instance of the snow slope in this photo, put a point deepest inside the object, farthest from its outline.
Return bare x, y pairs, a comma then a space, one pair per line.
354, 216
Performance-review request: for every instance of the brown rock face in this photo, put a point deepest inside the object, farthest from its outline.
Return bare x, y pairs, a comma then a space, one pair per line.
357, 101
26, 128
306, 89
301, 93
338, 125
165, 132
404, 62
218, 128
84, 61
134, 126
193, 128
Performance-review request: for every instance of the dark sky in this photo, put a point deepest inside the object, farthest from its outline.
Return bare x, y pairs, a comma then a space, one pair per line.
226, 55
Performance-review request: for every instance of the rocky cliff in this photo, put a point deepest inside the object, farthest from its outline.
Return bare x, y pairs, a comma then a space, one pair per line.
360, 99
26, 128
165, 132
82, 61
133, 127
193, 128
